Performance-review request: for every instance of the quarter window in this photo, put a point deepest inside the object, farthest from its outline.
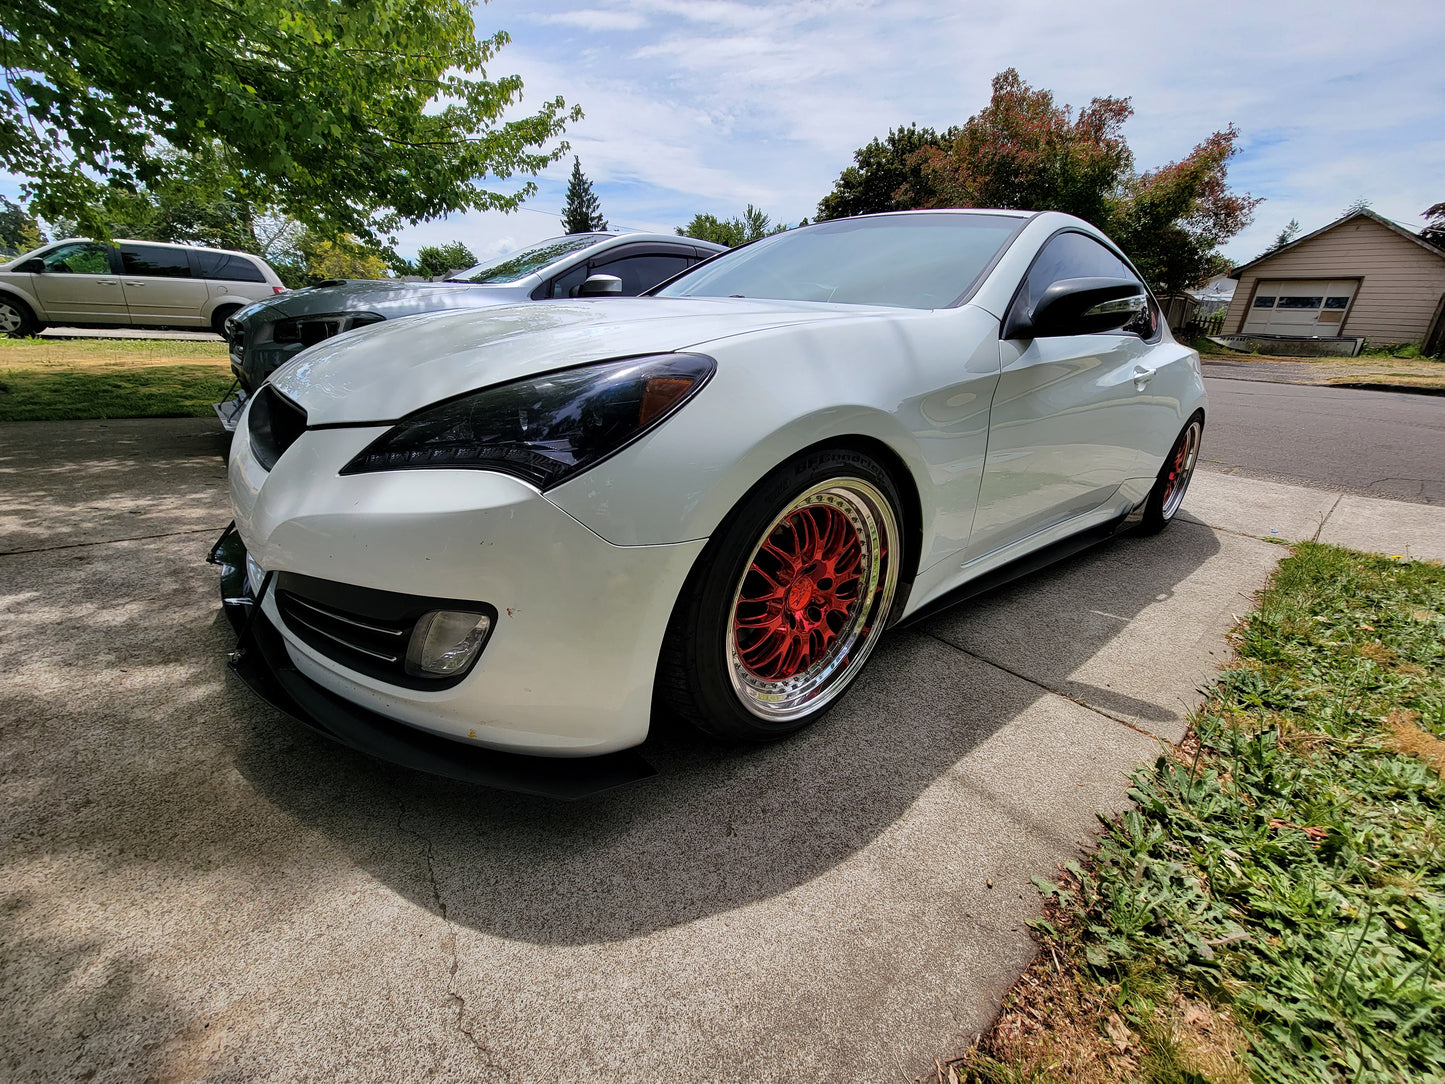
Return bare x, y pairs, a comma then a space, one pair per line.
153, 260
223, 265
81, 258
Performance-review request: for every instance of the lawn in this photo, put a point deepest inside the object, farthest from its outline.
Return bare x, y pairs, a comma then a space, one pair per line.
1412, 372
65, 379
1273, 907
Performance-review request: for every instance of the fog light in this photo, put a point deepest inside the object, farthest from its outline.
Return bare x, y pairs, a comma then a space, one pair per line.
446, 642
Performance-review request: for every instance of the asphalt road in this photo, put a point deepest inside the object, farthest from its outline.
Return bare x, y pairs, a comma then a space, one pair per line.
1374, 443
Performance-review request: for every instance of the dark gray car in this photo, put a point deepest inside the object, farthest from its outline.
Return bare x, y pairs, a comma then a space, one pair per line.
266, 335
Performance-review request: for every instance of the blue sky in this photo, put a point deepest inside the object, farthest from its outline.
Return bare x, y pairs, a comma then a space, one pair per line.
707, 105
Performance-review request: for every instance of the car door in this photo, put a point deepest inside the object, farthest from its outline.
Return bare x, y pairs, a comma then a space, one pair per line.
159, 286
1069, 412
80, 286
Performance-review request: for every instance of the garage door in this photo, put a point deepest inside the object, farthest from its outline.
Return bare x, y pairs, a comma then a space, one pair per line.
1299, 307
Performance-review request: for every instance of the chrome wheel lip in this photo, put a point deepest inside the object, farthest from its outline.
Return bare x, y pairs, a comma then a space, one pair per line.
873, 518
1190, 439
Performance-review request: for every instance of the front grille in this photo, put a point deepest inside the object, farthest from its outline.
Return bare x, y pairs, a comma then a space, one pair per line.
361, 628
237, 343
275, 424
310, 330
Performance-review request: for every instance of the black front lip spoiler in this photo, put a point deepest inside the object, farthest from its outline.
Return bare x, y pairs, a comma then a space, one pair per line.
262, 662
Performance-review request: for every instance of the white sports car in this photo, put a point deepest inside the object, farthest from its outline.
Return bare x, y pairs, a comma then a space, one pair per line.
471, 541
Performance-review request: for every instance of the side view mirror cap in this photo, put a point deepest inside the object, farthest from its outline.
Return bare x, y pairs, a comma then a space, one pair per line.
33, 266
600, 286
1082, 306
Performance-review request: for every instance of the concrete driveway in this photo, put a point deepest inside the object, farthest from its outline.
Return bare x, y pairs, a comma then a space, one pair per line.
194, 887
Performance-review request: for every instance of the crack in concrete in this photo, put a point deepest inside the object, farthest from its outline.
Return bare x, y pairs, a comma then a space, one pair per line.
110, 541
441, 909
1049, 688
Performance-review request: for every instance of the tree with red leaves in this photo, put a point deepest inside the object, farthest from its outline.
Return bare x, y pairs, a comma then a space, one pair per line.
1025, 151
1434, 230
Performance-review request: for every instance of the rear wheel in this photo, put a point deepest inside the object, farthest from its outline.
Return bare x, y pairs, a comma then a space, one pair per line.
16, 319
788, 600
1173, 480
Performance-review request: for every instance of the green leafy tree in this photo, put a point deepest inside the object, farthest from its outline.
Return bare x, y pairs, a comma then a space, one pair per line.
320, 110
19, 232
882, 173
582, 213
1025, 151
434, 260
1285, 236
734, 231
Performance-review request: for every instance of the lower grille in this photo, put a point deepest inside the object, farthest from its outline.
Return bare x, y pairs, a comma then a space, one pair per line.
360, 628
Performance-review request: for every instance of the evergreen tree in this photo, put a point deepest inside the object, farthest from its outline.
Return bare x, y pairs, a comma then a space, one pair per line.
582, 214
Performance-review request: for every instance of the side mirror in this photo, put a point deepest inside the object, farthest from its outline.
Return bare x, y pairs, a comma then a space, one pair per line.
1082, 306
33, 266
600, 286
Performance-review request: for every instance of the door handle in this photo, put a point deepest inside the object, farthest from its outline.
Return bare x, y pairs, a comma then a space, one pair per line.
134, 282
1142, 376
107, 282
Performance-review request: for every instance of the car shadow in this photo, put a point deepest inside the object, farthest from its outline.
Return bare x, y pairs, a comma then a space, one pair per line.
719, 826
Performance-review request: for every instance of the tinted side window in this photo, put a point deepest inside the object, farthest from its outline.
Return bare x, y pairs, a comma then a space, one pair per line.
222, 265
640, 273
81, 258
1075, 256
151, 260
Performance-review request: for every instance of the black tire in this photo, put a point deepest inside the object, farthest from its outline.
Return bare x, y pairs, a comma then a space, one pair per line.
739, 665
219, 317
1174, 477
16, 318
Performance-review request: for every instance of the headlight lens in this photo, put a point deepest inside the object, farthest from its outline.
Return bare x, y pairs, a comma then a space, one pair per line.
542, 429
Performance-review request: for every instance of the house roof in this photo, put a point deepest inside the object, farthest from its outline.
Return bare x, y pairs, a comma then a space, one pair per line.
1383, 221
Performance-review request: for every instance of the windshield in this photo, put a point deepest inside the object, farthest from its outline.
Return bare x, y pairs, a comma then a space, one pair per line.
912, 261
518, 265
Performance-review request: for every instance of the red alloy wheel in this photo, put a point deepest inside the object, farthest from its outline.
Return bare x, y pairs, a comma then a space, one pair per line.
799, 593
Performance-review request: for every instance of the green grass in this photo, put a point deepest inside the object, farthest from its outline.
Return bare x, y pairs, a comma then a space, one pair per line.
1288, 866
59, 380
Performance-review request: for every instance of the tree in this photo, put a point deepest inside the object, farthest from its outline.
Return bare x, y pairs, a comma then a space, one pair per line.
733, 231
582, 214
1285, 236
342, 258
1355, 207
19, 232
1024, 151
435, 260
881, 172
1434, 230
351, 117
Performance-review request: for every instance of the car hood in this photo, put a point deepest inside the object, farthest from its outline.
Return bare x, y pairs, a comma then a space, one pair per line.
389, 299
388, 370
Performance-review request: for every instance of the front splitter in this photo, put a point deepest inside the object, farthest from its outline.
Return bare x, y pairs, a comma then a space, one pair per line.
262, 662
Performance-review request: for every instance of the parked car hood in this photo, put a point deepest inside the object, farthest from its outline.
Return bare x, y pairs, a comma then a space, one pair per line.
388, 370
389, 299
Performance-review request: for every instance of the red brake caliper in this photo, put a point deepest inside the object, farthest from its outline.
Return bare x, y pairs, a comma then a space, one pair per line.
799, 593
1176, 468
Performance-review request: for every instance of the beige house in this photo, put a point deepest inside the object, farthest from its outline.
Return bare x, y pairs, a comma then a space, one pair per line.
1360, 277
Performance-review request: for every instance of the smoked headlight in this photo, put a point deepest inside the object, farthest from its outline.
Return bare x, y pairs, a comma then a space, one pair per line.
544, 428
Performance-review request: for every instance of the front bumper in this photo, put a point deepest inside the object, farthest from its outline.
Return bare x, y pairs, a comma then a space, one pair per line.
569, 666
261, 661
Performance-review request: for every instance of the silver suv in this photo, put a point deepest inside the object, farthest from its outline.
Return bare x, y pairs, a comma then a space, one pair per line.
129, 284
265, 336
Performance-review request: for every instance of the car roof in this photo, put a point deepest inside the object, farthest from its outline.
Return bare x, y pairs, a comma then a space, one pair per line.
157, 244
